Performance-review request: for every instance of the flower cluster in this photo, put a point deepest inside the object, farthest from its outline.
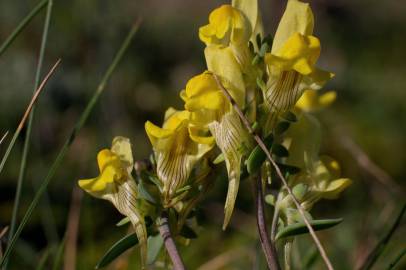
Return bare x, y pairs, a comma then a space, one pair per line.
268, 79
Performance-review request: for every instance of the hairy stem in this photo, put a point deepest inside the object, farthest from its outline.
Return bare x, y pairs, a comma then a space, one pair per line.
267, 246
170, 245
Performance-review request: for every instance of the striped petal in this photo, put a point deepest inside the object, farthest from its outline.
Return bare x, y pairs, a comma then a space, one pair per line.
230, 137
116, 185
178, 146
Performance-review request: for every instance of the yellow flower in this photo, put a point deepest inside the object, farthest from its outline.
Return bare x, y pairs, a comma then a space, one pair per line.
251, 11
116, 185
178, 146
310, 101
226, 25
320, 175
211, 110
291, 62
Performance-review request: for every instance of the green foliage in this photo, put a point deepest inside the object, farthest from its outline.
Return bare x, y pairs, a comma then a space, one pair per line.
301, 228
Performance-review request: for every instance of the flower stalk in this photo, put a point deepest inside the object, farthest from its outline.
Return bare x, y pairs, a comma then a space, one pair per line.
169, 243
267, 246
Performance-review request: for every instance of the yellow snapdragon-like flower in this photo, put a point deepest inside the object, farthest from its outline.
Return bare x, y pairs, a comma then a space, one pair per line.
211, 110
226, 25
116, 185
320, 175
291, 62
177, 146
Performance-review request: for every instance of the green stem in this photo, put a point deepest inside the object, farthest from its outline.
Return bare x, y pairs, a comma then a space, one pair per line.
377, 251
21, 26
23, 164
397, 259
83, 118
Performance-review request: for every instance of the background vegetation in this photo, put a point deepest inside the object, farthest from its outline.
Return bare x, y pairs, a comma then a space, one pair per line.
363, 43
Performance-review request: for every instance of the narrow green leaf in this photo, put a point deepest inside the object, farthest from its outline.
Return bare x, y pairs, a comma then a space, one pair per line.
397, 259
58, 161
257, 156
182, 189
380, 247
117, 249
43, 260
281, 127
59, 255
123, 221
301, 228
155, 244
24, 157
21, 26
152, 178
188, 232
279, 150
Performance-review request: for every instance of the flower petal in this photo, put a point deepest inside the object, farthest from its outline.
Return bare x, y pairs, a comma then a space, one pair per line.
336, 187
298, 18
222, 62
230, 136
121, 146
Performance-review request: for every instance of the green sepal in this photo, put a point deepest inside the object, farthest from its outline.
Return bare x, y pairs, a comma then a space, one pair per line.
123, 221
220, 158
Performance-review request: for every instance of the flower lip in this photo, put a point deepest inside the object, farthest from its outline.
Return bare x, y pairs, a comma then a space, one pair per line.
226, 25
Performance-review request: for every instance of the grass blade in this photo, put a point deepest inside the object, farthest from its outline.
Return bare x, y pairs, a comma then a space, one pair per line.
43, 260
23, 163
26, 114
397, 259
21, 26
377, 251
4, 136
83, 118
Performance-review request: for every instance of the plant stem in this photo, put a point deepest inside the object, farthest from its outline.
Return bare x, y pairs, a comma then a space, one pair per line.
83, 118
170, 245
26, 146
377, 251
261, 144
275, 219
267, 246
21, 26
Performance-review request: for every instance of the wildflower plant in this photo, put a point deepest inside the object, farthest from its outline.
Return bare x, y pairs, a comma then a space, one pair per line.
273, 80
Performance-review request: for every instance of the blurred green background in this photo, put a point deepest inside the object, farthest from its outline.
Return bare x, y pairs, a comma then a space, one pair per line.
363, 43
